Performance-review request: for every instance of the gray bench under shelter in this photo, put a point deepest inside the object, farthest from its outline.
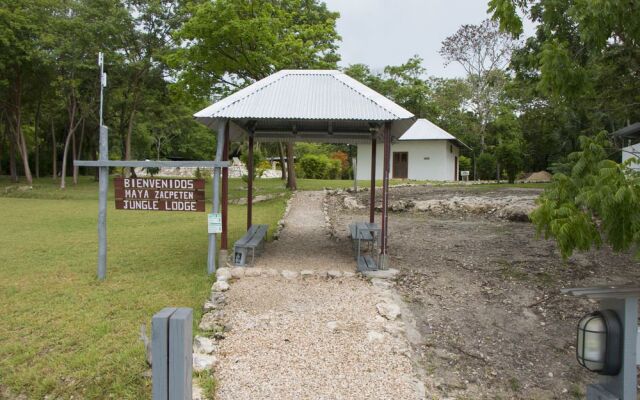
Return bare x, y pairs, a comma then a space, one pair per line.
252, 240
368, 233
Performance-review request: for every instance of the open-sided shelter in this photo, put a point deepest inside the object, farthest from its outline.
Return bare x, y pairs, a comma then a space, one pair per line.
306, 105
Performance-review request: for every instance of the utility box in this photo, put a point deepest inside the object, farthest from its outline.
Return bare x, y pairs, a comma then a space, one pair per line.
171, 346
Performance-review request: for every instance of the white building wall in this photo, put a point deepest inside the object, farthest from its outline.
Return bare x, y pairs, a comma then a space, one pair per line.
428, 159
627, 153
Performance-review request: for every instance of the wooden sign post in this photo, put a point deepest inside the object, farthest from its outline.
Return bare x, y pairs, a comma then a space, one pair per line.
171, 195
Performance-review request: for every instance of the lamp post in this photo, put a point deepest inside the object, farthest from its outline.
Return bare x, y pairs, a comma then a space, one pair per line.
607, 341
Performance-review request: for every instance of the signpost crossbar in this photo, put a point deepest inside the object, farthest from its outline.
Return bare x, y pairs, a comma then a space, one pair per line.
151, 164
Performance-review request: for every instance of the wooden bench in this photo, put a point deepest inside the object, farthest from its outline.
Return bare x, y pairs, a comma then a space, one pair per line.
252, 240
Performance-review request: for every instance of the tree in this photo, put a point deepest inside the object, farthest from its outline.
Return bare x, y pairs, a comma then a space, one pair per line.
483, 52
228, 44
23, 50
581, 70
509, 157
597, 202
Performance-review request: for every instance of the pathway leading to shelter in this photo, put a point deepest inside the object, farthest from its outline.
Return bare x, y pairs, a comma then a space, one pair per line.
316, 330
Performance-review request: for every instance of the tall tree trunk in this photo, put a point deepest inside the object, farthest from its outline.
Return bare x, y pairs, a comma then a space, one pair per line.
283, 166
2, 141
74, 155
54, 153
37, 139
291, 179
78, 152
13, 169
17, 127
73, 125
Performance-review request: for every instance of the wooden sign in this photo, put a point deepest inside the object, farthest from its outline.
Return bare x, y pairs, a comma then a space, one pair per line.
153, 194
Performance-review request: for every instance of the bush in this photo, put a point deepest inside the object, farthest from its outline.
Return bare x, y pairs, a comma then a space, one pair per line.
464, 163
509, 155
320, 167
334, 169
314, 166
486, 166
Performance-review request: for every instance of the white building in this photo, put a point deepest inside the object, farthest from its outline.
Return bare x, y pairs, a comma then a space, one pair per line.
630, 137
424, 152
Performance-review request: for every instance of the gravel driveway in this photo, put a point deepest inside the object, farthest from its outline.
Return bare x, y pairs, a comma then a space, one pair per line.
313, 336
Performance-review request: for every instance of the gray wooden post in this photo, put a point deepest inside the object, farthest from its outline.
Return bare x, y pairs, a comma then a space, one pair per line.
180, 354
160, 353
172, 358
624, 385
211, 259
103, 186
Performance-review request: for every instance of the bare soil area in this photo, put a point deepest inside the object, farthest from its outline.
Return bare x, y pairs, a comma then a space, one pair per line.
486, 293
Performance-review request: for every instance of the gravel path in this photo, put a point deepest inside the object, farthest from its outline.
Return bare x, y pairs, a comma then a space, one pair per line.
311, 337
304, 243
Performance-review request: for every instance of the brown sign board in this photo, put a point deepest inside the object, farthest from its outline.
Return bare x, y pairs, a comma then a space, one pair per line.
153, 194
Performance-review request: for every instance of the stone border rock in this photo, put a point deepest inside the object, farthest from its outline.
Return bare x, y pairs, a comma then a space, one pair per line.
281, 223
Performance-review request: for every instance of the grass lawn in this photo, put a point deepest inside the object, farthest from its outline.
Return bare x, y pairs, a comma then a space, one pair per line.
64, 333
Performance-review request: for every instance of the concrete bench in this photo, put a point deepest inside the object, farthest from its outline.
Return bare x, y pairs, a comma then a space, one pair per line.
362, 232
252, 240
367, 263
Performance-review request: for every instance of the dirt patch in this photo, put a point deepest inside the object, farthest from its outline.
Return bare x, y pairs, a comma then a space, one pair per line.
486, 295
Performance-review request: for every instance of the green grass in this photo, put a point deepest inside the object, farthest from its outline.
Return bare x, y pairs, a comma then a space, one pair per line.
64, 333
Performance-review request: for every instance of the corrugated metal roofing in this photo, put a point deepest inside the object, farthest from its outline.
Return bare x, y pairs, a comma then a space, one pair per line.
423, 129
306, 94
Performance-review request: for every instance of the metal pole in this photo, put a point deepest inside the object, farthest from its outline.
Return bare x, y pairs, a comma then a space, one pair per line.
250, 184
103, 181
372, 195
211, 256
385, 194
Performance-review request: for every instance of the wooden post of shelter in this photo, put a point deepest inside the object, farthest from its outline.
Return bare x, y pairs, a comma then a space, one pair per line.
372, 195
225, 191
385, 195
250, 183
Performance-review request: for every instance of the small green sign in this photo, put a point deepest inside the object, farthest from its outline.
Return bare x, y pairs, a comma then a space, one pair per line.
214, 224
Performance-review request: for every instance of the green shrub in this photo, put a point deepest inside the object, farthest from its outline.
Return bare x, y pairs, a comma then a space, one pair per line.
509, 155
334, 169
315, 166
486, 166
464, 163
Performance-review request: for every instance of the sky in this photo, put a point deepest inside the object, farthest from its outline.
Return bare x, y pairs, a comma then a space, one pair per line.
388, 32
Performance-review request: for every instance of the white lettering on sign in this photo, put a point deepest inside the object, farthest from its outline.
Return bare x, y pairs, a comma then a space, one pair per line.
181, 206
146, 183
169, 195
140, 205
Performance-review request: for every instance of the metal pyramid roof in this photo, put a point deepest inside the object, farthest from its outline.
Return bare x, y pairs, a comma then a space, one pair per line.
423, 129
306, 95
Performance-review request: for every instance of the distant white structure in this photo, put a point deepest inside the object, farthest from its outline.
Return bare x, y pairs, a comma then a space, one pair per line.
424, 152
630, 137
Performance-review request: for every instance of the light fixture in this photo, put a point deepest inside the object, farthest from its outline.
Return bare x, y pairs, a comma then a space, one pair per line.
599, 346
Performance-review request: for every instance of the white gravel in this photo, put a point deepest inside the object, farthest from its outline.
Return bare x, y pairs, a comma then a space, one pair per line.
304, 243
314, 337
